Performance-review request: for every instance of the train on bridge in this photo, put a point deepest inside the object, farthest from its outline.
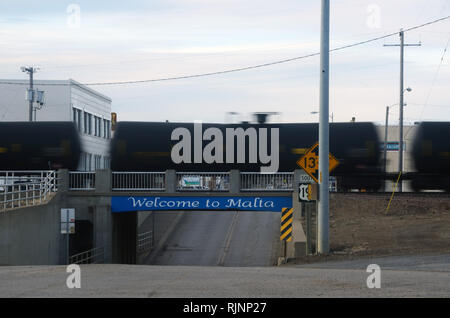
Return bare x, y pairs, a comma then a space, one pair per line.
202, 147
39, 146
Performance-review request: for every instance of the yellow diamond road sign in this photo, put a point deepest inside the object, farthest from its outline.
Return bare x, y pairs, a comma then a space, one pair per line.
310, 162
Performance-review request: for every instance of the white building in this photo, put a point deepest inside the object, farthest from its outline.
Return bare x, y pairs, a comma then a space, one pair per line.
65, 100
393, 151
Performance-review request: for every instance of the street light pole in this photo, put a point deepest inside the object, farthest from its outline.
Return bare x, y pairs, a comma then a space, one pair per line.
385, 143
400, 148
30, 70
386, 135
323, 245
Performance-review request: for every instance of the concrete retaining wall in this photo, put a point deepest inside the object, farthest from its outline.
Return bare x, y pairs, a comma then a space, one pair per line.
31, 236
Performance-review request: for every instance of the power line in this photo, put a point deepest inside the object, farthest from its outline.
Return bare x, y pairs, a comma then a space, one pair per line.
247, 67
433, 83
435, 79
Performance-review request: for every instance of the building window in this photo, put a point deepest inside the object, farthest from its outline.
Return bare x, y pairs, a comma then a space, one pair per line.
108, 129
86, 125
106, 162
77, 118
90, 124
97, 126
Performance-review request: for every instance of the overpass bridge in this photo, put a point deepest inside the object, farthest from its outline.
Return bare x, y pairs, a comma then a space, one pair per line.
112, 208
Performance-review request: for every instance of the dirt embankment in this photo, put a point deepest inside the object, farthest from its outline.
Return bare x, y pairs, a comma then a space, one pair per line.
360, 226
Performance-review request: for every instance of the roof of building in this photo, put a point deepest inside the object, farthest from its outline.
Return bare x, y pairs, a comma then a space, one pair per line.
68, 82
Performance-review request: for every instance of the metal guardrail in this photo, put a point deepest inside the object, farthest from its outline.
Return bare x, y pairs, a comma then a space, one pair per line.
145, 241
203, 181
26, 188
81, 180
255, 181
138, 181
92, 256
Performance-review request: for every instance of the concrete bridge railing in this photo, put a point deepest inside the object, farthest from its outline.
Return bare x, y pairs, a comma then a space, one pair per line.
173, 181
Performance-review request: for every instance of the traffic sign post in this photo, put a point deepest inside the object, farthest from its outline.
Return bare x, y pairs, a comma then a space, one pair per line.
323, 245
307, 194
310, 192
67, 226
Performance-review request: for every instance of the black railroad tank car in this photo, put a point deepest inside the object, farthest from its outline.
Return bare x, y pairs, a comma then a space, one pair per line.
39, 146
431, 156
147, 146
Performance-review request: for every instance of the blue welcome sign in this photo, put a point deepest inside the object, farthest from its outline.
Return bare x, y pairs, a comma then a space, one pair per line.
174, 203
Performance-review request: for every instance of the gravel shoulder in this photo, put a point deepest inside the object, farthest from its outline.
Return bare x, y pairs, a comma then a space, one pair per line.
360, 227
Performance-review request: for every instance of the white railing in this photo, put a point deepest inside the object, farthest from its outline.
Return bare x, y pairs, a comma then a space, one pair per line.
203, 181
138, 181
95, 255
26, 188
81, 180
191, 181
145, 242
255, 181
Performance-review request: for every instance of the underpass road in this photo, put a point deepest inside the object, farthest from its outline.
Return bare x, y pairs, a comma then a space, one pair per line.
225, 238
338, 279
255, 240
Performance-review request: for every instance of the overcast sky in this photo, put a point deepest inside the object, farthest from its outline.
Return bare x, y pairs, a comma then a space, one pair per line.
106, 41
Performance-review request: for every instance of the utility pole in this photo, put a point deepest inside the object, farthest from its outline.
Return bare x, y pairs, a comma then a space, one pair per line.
323, 244
30, 70
400, 149
385, 144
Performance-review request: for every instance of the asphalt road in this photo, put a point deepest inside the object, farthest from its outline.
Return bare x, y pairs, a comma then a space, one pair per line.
225, 238
334, 279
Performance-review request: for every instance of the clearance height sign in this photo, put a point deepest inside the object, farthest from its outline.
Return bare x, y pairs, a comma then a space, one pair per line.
174, 203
